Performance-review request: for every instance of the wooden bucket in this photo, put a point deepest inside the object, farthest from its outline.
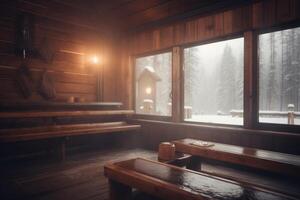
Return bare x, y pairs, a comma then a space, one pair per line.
166, 151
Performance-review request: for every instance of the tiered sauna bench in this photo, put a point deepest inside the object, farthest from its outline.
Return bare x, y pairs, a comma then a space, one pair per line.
61, 120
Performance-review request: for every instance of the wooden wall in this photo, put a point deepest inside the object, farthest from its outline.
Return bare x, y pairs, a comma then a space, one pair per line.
72, 35
263, 14
258, 16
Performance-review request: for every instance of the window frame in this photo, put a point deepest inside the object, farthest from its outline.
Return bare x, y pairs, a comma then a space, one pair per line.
264, 125
133, 64
251, 82
204, 42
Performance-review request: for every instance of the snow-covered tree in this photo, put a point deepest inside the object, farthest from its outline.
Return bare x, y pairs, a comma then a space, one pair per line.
226, 82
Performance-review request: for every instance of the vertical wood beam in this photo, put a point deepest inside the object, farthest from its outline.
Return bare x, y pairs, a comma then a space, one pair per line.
250, 80
100, 82
130, 80
100, 78
176, 85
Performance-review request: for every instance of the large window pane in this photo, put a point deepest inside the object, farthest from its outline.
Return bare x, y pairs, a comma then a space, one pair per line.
279, 77
153, 77
213, 82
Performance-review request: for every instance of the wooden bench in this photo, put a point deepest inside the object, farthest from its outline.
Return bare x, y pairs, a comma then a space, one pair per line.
250, 157
169, 182
31, 114
44, 123
55, 131
63, 132
58, 106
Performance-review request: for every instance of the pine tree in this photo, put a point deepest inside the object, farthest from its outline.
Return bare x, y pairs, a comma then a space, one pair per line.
264, 40
226, 85
271, 89
239, 83
193, 78
294, 67
297, 65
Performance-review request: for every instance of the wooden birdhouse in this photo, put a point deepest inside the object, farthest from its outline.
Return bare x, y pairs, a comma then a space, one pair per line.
146, 90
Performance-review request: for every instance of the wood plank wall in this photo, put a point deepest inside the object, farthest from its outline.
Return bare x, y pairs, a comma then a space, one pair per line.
262, 14
259, 15
72, 35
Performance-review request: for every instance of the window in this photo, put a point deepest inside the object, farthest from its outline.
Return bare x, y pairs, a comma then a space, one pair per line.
214, 81
153, 78
279, 77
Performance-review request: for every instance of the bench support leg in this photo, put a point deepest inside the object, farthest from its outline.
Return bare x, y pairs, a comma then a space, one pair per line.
57, 149
63, 150
119, 191
194, 163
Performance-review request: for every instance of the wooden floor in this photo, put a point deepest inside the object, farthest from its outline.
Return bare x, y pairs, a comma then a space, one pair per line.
81, 177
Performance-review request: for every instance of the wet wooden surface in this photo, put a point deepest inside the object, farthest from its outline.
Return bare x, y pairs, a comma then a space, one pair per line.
261, 159
81, 176
169, 182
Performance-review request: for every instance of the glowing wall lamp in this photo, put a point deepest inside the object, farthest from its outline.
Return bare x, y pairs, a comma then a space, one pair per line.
95, 59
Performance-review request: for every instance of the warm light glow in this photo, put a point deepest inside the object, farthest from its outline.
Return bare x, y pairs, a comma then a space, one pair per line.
95, 59
148, 90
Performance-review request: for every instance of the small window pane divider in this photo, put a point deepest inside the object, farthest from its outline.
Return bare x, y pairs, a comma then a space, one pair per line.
250, 80
177, 91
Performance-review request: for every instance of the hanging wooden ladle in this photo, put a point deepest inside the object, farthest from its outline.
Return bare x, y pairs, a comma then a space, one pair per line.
24, 47
46, 86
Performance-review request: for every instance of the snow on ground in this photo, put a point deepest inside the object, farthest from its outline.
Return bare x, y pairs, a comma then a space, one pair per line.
228, 119
219, 119
278, 120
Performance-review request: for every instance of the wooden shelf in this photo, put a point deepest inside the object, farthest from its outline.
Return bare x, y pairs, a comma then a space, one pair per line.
45, 132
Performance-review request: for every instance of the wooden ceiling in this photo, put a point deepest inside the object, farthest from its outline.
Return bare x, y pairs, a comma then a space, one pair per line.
132, 14
127, 15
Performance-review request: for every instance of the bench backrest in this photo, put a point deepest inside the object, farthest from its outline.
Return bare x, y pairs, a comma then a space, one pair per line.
170, 182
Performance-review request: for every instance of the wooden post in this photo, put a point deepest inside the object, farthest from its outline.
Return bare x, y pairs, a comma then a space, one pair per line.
130, 93
187, 112
291, 118
291, 115
119, 191
62, 149
250, 80
148, 106
57, 148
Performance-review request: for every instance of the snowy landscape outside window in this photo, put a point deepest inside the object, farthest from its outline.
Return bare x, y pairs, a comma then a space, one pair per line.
214, 82
279, 77
153, 78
